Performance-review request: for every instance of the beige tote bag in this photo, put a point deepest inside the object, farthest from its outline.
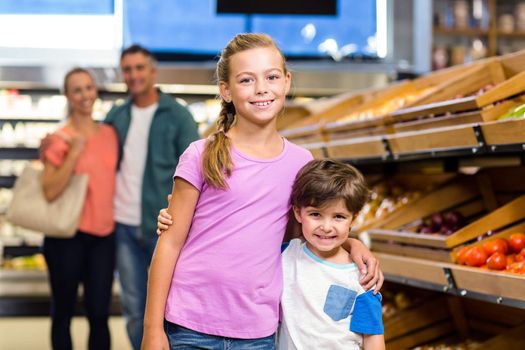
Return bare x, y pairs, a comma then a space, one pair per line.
30, 209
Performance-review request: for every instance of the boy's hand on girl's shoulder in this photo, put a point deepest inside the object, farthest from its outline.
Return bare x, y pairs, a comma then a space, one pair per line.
164, 220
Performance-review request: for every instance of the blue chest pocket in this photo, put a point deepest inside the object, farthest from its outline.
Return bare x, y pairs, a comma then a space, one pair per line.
339, 302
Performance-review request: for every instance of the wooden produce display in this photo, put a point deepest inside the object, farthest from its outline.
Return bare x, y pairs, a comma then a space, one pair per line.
391, 195
506, 74
468, 196
360, 110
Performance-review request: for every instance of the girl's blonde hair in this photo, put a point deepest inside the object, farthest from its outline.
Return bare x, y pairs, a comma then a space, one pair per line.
217, 162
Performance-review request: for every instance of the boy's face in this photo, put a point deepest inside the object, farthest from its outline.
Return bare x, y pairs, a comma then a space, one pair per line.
325, 229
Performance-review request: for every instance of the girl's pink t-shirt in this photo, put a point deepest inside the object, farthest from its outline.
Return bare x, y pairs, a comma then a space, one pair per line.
99, 161
228, 278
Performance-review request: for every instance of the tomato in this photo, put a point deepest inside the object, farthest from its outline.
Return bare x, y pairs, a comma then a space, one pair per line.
497, 261
476, 256
510, 259
517, 242
495, 246
521, 256
517, 267
461, 256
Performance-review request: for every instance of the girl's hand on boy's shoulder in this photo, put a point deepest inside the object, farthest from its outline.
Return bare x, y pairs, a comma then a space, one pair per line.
368, 265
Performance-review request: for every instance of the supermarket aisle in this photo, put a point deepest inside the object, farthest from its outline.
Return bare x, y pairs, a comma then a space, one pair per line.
32, 333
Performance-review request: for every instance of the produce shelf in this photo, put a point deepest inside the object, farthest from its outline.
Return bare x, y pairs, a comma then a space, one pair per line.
7, 181
18, 153
469, 282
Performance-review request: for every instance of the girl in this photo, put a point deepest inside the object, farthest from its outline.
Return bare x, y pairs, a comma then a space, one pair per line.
82, 146
217, 278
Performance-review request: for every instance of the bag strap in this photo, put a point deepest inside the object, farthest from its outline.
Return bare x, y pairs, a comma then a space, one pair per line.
64, 136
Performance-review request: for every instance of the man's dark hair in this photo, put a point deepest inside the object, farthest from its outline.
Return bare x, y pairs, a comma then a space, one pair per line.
136, 48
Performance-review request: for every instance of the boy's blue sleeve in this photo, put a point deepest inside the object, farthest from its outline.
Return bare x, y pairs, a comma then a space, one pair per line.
367, 317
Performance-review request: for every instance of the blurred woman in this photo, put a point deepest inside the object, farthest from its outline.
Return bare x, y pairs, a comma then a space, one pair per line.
82, 146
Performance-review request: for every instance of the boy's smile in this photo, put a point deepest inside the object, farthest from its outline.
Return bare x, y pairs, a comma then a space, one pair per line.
326, 228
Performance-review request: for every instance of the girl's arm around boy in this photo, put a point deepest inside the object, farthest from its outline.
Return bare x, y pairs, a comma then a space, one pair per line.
163, 263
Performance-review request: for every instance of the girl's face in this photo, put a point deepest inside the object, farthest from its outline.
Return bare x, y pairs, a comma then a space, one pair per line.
257, 85
81, 94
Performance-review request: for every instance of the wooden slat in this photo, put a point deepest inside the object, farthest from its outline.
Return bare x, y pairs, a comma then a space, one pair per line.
412, 251
506, 285
356, 148
465, 84
421, 337
442, 138
513, 63
436, 108
422, 316
509, 87
492, 113
418, 239
481, 310
412, 268
505, 215
509, 340
439, 122
504, 132
316, 149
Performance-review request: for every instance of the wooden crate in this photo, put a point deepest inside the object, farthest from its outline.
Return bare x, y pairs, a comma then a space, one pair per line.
489, 113
494, 283
372, 105
505, 233
413, 186
439, 247
439, 85
507, 73
504, 132
439, 139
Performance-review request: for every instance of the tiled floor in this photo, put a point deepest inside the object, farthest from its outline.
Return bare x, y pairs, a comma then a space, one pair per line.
32, 333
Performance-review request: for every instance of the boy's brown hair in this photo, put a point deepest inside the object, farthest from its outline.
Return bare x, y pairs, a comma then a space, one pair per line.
324, 180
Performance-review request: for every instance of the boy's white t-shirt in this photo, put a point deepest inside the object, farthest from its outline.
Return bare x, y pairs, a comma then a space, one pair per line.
128, 191
323, 304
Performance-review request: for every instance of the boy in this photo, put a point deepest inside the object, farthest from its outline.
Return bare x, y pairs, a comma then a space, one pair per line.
323, 304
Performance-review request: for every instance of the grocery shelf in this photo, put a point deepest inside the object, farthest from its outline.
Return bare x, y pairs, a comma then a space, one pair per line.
469, 282
461, 31
7, 181
476, 140
18, 153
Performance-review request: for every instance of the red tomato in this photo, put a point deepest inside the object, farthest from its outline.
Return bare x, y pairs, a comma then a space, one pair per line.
517, 242
517, 267
495, 246
497, 261
461, 256
521, 256
476, 256
510, 259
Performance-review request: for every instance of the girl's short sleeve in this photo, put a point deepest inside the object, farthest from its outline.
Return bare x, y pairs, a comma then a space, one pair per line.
189, 167
56, 151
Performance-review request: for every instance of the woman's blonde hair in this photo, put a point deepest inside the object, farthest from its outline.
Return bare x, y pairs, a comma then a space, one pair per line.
217, 162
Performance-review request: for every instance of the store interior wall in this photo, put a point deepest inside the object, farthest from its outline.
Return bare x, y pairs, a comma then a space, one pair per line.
310, 78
